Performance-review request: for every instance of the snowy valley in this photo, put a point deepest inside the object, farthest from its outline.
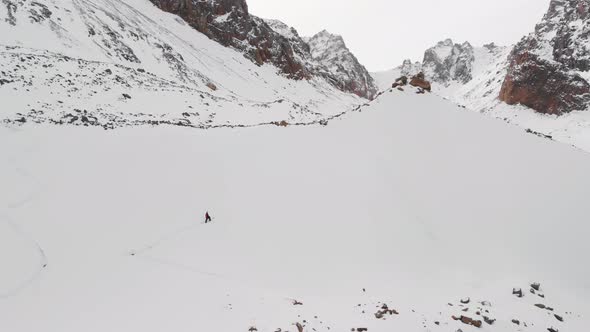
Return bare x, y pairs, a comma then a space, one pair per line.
339, 203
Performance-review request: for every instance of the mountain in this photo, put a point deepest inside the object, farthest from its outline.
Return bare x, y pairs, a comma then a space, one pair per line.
270, 41
549, 69
340, 65
447, 62
447, 65
229, 23
110, 64
541, 83
384, 79
386, 219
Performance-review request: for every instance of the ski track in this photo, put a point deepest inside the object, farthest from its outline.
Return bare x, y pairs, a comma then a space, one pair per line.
43, 261
180, 266
163, 240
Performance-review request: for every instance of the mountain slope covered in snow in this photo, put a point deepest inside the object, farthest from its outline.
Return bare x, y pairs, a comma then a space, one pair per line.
117, 63
395, 217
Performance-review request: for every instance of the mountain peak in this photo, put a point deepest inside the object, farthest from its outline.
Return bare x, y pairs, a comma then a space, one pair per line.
332, 55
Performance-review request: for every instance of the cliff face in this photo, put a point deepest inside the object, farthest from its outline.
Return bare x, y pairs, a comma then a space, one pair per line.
270, 41
548, 69
338, 63
229, 23
448, 62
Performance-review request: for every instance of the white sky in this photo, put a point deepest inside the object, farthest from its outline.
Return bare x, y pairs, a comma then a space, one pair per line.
382, 33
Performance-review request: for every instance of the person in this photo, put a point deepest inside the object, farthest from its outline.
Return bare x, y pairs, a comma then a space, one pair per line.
207, 217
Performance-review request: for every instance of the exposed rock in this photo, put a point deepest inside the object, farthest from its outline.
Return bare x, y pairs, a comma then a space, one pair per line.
409, 68
516, 321
269, 41
465, 300
212, 86
552, 329
540, 305
401, 81
536, 286
229, 23
299, 327
4, 81
558, 317
544, 70
337, 63
517, 292
468, 321
421, 82
488, 320
385, 310
448, 62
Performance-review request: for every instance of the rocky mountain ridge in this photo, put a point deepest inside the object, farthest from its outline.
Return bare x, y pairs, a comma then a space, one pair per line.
447, 64
338, 64
268, 41
549, 69
115, 63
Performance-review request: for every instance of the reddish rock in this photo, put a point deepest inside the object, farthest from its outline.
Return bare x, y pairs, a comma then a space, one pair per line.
549, 82
240, 30
421, 82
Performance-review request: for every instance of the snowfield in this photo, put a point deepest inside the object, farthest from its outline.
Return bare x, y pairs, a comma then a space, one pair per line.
411, 201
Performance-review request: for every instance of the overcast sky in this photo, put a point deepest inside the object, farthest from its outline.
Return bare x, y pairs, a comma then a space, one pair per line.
382, 33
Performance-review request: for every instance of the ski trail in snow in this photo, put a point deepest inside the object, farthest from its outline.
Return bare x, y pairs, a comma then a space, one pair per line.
43, 261
29, 198
163, 239
180, 266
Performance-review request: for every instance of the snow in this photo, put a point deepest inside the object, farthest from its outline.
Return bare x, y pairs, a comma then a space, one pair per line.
481, 93
65, 58
413, 199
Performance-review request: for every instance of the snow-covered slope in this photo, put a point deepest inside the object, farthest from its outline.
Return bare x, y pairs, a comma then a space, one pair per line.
115, 63
410, 202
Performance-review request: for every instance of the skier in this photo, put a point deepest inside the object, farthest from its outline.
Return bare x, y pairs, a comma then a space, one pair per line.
207, 217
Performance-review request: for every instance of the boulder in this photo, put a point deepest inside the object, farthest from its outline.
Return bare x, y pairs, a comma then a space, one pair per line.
420, 81
212, 86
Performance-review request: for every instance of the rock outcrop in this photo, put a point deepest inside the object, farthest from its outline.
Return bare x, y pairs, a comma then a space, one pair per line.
420, 81
229, 23
337, 63
547, 69
447, 62
270, 41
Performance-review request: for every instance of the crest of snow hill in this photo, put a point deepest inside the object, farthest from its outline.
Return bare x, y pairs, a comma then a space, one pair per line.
269, 41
